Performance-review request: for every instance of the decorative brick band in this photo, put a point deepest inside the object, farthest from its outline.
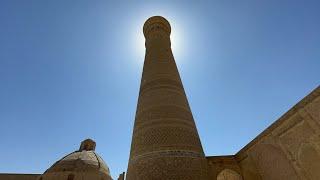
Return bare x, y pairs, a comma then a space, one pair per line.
168, 153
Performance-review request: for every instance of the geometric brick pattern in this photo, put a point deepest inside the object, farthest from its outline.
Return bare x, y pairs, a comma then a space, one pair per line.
165, 142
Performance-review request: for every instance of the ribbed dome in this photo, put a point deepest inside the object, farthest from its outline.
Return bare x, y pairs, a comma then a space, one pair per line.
82, 164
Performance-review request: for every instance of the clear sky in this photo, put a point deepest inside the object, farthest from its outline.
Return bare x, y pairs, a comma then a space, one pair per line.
71, 70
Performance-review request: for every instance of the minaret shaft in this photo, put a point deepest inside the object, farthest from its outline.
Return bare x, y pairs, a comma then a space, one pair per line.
165, 141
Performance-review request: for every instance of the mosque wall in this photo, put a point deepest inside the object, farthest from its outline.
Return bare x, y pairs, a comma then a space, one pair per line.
289, 148
18, 176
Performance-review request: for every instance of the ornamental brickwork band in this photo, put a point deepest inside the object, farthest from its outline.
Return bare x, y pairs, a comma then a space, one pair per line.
165, 142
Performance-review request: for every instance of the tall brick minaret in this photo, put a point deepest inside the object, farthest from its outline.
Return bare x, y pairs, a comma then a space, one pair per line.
165, 142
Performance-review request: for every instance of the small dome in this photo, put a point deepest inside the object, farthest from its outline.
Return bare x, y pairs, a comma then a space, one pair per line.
82, 164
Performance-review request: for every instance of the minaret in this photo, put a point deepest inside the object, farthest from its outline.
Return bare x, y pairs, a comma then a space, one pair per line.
165, 142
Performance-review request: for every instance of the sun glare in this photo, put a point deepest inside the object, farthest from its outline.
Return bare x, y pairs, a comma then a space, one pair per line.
139, 40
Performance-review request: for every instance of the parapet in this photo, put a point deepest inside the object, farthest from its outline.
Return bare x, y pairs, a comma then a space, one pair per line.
156, 23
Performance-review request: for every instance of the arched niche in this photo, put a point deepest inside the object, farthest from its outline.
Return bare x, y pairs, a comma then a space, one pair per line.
272, 163
309, 160
228, 174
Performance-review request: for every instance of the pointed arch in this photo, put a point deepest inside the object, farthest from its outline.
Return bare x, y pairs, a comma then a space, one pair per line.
272, 163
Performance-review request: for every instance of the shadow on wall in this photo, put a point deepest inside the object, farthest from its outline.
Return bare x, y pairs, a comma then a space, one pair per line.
309, 160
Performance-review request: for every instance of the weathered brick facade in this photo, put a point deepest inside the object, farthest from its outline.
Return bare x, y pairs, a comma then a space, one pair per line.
165, 142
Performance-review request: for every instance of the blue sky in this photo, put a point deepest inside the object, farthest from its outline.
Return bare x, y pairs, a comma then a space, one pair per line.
70, 70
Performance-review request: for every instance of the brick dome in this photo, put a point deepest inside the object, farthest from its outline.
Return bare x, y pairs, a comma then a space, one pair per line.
82, 164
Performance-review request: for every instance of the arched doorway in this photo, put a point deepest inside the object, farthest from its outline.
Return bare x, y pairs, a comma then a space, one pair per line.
228, 174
